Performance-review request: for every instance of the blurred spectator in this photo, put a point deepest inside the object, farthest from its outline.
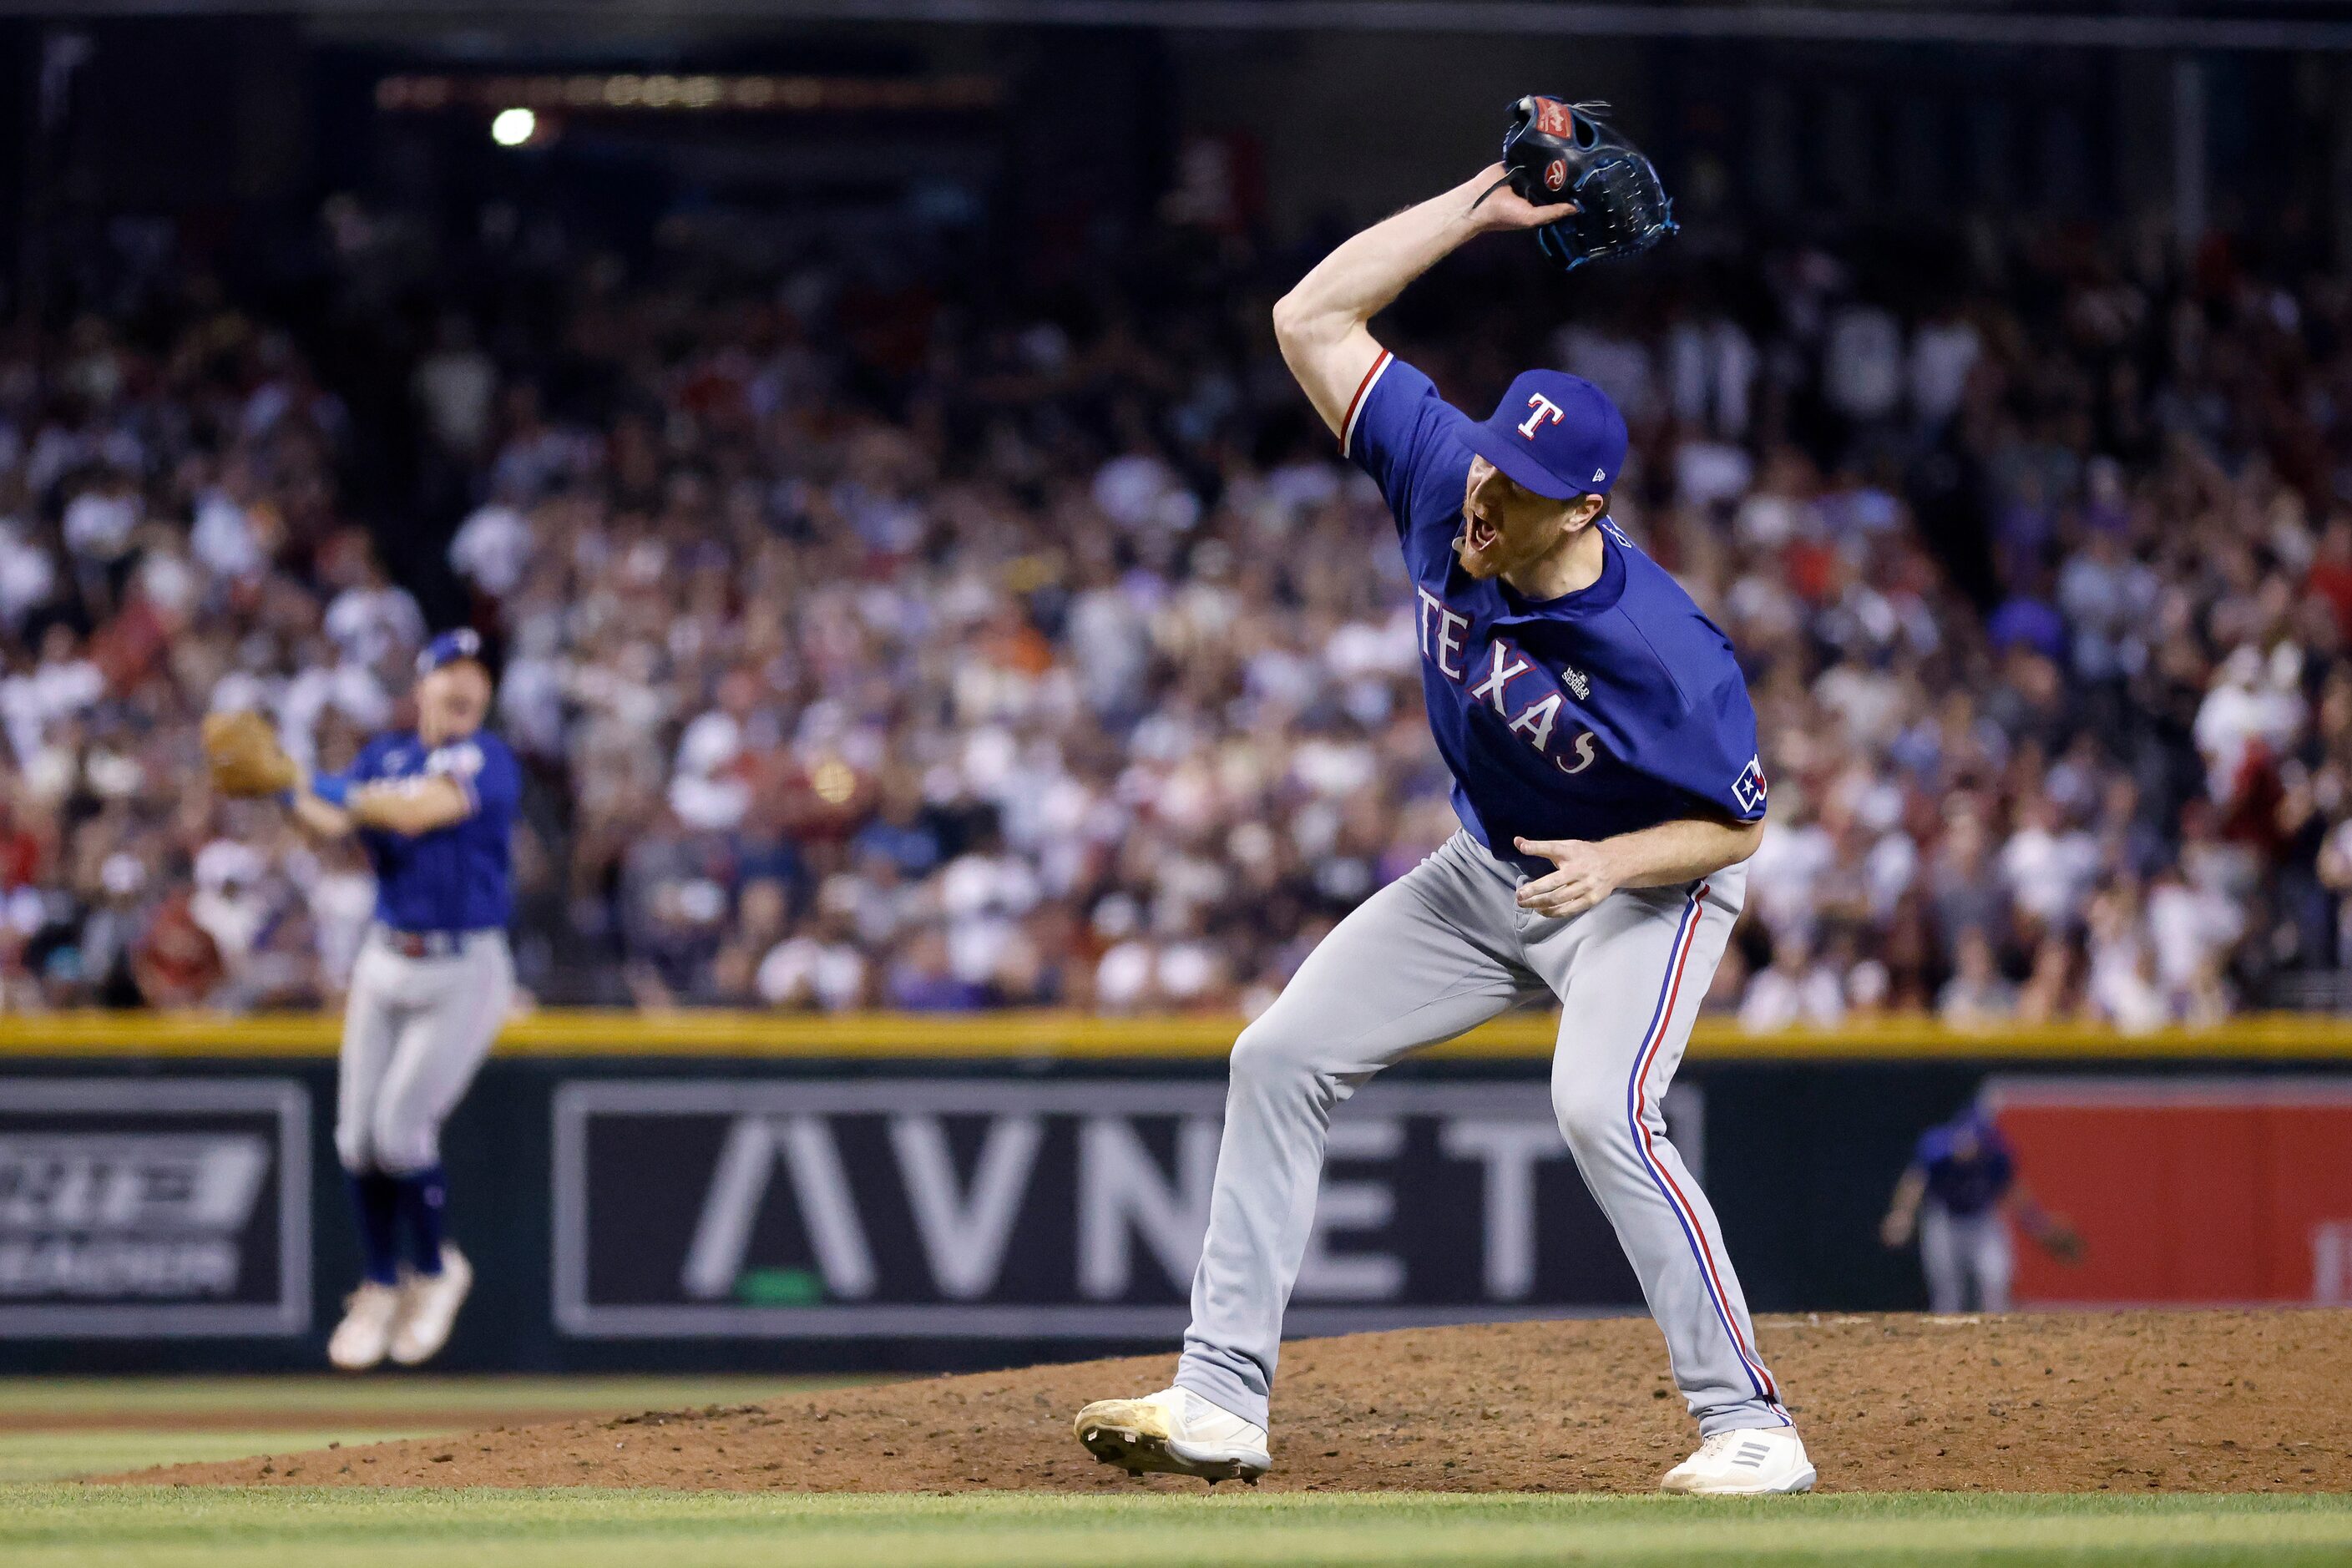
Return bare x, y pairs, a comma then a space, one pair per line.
1976, 997
1793, 989
176, 962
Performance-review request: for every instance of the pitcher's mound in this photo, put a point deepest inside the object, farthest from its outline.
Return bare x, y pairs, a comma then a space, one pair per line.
2074, 1402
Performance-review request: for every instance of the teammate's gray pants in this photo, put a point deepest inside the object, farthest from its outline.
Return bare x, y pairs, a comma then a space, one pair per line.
1956, 1251
414, 1032
1444, 949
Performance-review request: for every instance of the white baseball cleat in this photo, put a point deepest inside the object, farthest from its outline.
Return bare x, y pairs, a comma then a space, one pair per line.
1176, 1431
360, 1341
430, 1303
1743, 1462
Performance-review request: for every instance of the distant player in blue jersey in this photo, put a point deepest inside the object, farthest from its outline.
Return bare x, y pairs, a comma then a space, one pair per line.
1957, 1196
1605, 773
434, 807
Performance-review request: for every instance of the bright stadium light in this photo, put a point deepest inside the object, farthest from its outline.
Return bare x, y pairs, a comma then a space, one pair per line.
513, 127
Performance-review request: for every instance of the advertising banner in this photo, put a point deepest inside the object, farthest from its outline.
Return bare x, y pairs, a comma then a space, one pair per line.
871, 1201
2195, 1190
155, 1207
962, 1208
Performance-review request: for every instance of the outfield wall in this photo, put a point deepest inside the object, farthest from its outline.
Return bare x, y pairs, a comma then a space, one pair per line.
725, 1190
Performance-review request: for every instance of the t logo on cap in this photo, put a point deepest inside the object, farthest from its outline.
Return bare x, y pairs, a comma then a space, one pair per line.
1545, 408
1549, 431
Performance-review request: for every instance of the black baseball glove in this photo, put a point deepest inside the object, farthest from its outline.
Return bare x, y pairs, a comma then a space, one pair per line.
1561, 151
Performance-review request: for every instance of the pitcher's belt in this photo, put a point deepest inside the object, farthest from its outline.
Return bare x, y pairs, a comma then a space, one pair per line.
431, 943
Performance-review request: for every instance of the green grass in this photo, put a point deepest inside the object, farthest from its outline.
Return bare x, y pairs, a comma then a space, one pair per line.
53, 1455
388, 1393
103, 1423
54, 1526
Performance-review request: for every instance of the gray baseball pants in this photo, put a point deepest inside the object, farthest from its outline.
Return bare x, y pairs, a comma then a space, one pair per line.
1444, 949
1958, 1251
414, 1032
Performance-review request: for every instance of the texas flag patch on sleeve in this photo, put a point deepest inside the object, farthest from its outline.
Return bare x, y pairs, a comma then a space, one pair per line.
1748, 789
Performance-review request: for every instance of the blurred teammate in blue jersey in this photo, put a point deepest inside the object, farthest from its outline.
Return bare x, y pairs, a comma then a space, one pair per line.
1961, 1182
434, 807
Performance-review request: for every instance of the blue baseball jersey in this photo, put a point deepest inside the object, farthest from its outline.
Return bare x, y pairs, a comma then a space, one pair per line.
1606, 711
1965, 1183
454, 878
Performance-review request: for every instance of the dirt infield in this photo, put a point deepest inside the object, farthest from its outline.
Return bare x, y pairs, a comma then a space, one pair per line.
2137, 1401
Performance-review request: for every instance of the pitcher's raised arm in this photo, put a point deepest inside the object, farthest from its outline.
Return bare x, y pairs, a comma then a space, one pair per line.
1321, 323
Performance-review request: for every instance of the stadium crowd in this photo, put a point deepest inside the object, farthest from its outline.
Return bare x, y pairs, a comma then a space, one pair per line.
873, 638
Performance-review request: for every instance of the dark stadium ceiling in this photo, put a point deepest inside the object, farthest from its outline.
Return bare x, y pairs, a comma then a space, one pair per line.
2216, 24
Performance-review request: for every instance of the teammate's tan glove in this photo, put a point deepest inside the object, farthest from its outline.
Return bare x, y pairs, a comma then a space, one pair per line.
2063, 1242
242, 752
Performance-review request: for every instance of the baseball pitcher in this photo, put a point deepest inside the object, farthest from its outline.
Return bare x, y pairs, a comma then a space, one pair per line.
434, 807
1605, 776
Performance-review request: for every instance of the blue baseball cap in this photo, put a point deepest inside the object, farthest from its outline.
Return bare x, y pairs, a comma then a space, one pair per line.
1555, 434
448, 648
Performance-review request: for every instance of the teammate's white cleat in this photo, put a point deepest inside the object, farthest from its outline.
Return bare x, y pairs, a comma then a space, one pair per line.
360, 1341
1743, 1462
1176, 1431
430, 1303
